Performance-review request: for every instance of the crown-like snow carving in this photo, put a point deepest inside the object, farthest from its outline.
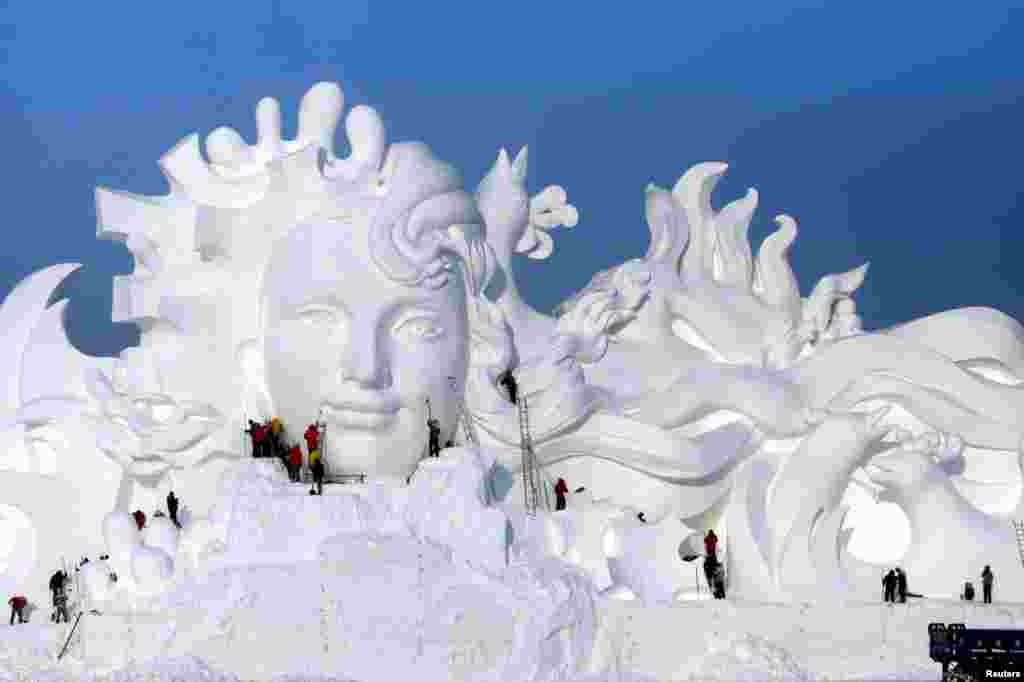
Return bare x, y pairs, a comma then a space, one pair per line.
184, 226
231, 208
212, 233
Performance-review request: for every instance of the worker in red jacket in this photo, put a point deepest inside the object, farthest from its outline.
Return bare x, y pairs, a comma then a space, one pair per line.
710, 544
294, 461
18, 604
140, 518
261, 436
561, 488
312, 437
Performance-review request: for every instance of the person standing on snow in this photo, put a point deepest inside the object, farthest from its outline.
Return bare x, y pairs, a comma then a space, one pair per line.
18, 604
889, 582
719, 579
711, 544
172, 508
987, 578
561, 488
901, 585
259, 440
434, 442
60, 605
710, 557
294, 462
312, 437
318, 476
253, 426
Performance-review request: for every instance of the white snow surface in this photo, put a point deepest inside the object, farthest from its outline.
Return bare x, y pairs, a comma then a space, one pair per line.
837, 644
387, 581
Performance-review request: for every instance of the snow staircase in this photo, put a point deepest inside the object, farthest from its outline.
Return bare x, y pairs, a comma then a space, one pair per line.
1018, 529
534, 494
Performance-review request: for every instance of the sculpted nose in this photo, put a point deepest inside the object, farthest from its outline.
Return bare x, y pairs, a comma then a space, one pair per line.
363, 361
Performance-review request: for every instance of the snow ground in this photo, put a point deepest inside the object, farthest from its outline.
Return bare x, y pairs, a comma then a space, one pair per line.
706, 640
393, 583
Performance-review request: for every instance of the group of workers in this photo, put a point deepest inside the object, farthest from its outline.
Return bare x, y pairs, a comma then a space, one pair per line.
894, 586
59, 583
172, 512
60, 579
268, 440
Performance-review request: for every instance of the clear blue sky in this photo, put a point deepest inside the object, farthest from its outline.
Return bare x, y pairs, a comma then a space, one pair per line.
891, 131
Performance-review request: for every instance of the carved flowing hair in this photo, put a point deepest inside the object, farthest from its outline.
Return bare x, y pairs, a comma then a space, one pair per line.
420, 223
424, 220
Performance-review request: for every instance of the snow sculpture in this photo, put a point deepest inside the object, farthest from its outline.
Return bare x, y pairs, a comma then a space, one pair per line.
695, 384
719, 393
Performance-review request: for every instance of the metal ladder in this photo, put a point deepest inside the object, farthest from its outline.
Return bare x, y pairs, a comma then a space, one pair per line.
466, 420
462, 416
1018, 528
534, 493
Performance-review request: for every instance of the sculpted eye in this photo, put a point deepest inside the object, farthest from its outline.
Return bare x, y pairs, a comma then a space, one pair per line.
318, 315
418, 328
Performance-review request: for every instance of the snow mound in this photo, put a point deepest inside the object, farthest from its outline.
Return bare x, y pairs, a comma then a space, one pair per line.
161, 533
740, 657
152, 568
186, 669
121, 533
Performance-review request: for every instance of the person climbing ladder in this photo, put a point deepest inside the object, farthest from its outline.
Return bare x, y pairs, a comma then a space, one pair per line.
508, 381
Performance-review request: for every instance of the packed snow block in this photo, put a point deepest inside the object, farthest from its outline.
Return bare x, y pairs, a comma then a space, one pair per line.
645, 557
160, 532
376, 606
113, 640
539, 536
96, 581
272, 520
448, 504
30, 645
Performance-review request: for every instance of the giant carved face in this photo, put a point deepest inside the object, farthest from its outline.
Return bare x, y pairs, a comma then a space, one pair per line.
341, 337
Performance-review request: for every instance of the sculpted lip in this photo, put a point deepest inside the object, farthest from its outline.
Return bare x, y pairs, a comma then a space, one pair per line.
362, 414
